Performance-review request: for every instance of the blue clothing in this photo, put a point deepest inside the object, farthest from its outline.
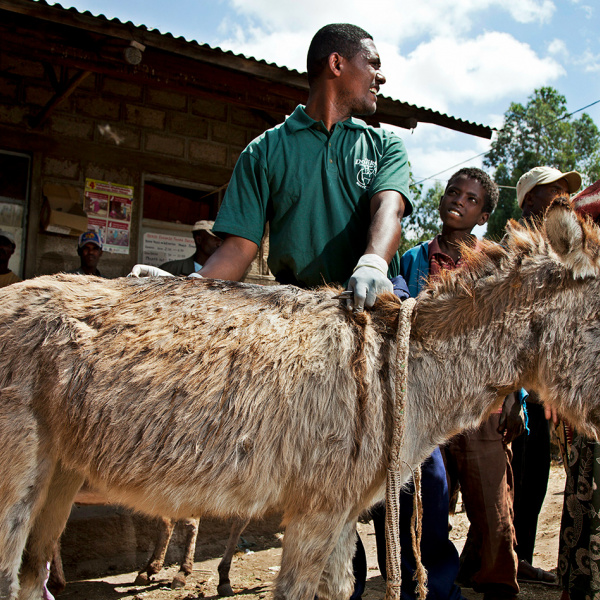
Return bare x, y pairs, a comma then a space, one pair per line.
414, 267
400, 287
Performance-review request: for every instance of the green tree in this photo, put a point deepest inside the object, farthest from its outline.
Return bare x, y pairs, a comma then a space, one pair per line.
424, 222
539, 133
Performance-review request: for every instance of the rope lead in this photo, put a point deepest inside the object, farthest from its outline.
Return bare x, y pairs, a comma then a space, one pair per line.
394, 480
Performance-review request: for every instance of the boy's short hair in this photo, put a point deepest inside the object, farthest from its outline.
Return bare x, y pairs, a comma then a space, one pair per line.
491, 189
343, 38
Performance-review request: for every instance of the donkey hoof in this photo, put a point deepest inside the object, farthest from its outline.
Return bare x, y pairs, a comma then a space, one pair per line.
142, 579
178, 582
224, 589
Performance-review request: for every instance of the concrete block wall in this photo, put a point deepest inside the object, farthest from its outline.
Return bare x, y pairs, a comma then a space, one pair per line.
103, 119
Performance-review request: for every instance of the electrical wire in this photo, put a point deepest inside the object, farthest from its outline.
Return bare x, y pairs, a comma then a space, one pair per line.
431, 177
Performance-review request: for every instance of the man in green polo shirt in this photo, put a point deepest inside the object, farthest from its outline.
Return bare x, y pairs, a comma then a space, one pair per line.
332, 189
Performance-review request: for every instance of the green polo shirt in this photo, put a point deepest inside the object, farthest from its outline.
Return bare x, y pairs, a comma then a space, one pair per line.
314, 189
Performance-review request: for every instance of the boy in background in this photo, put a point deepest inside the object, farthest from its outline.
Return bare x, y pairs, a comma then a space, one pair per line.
469, 199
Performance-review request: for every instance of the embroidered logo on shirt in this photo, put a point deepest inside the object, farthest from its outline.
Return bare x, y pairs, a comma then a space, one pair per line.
367, 170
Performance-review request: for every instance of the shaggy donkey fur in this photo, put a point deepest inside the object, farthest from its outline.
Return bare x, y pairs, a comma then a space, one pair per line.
182, 398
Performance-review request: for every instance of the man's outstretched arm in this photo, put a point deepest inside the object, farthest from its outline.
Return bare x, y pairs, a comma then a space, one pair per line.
231, 260
370, 274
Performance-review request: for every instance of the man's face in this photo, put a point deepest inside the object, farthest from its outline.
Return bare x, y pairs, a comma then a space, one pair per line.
362, 80
90, 255
206, 241
461, 206
541, 197
6, 249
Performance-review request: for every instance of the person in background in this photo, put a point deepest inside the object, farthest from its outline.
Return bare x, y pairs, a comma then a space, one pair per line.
579, 542
206, 243
536, 190
7, 249
469, 199
89, 249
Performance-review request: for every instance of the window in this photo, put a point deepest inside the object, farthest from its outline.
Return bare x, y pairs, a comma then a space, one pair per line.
170, 209
14, 193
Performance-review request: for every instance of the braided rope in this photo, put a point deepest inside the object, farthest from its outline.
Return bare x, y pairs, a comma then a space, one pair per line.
394, 480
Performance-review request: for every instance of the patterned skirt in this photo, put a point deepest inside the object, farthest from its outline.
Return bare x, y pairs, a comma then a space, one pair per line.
579, 546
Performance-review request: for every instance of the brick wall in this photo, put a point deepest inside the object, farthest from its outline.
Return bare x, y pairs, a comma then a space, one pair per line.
114, 130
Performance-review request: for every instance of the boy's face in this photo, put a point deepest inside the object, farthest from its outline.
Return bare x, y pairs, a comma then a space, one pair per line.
461, 206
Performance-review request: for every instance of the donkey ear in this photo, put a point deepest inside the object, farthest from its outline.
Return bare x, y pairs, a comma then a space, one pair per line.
575, 242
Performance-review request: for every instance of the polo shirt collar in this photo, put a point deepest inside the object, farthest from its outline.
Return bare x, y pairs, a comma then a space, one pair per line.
300, 120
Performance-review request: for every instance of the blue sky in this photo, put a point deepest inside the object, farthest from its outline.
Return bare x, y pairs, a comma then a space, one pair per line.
467, 58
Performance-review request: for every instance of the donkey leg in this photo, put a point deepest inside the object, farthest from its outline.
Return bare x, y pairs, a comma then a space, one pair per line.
57, 582
337, 579
307, 544
157, 560
45, 533
224, 587
24, 479
191, 530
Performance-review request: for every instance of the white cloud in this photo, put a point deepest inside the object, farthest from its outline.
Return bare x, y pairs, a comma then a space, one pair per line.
558, 48
435, 152
389, 19
589, 61
529, 11
586, 8
449, 71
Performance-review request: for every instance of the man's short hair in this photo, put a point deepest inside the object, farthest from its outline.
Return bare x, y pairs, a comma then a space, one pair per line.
342, 38
491, 189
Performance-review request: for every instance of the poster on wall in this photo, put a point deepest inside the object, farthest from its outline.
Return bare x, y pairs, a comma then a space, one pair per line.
108, 207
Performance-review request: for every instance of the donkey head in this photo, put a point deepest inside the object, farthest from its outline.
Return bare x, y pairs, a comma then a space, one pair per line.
575, 240
567, 313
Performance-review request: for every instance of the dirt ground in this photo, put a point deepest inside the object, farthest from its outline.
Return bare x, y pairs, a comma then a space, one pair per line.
255, 567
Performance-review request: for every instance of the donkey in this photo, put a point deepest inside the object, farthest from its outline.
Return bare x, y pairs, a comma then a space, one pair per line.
157, 559
183, 397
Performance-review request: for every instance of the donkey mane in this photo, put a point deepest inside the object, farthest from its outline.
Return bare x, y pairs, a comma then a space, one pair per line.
507, 275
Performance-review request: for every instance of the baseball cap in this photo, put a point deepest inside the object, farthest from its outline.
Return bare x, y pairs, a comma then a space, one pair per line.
542, 175
90, 237
9, 236
203, 226
588, 201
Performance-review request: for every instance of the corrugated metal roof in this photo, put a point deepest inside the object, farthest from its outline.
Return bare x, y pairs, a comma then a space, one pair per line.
169, 35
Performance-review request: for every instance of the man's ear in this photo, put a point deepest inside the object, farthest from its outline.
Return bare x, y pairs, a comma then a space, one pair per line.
483, 219
334, 62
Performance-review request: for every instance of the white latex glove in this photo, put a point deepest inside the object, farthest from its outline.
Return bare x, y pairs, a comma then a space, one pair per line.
368, 280
148, 271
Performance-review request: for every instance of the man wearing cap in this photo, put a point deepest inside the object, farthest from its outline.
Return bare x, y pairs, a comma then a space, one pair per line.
540, 186
536, 190
206, 244
89, 249
7, 248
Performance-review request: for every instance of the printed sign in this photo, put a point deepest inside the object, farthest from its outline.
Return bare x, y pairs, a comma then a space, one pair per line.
160, 247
